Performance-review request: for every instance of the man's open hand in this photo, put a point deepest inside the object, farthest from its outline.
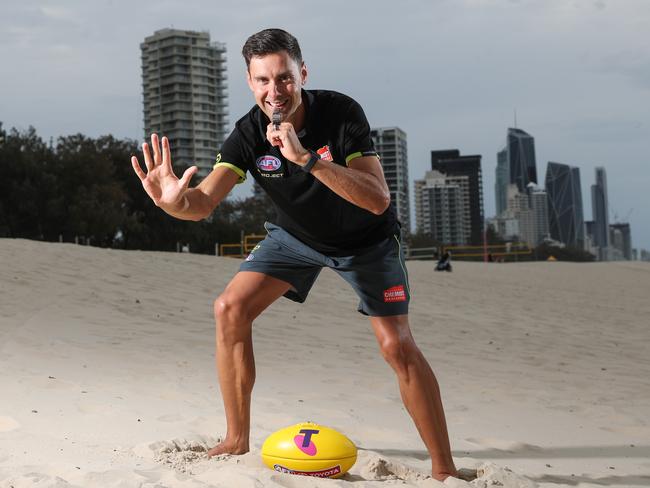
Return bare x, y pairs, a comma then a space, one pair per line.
160, 182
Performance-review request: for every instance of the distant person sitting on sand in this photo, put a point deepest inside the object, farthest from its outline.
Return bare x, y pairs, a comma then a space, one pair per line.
444, 263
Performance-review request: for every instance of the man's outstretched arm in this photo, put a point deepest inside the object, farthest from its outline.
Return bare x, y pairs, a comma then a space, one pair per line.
198, 203
172, 194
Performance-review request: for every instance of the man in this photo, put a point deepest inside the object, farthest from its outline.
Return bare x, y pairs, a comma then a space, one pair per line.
317, 163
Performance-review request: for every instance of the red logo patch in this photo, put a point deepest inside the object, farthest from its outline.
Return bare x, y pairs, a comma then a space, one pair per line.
324, 153
395, 294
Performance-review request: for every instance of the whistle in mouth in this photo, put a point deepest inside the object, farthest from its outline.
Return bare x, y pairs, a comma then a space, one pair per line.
276, 119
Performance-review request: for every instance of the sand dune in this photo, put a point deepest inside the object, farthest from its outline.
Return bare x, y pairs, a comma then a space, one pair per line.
107, 373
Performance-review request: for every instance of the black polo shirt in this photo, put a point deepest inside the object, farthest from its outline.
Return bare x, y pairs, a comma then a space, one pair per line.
338, 130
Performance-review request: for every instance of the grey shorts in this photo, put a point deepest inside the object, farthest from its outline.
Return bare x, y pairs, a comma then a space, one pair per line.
378, 274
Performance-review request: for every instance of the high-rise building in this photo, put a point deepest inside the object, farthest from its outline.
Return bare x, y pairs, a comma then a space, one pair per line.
390, 144
538, 202
600, 214
621, 239
516, 165
442, 207
530, 212
502, 181
452, 164
519, 209
185, 94
565, 215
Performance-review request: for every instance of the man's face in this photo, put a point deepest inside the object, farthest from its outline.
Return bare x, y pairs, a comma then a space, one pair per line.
276, 82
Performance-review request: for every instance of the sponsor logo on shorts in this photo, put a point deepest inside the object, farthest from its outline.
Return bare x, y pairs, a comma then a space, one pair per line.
324, 153
395, 294
323, 473
251, 256
268, 163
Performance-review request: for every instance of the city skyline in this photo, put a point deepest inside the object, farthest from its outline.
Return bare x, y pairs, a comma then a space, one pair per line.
584, 97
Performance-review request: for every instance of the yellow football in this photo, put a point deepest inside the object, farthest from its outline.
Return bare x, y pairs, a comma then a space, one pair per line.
309, 449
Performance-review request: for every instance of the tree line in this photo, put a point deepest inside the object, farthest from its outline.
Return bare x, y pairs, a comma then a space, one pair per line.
84, 189
81, 188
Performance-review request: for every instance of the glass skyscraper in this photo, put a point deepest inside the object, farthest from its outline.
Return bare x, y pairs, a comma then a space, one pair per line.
502, 181
565, 215
600, 213
516, 165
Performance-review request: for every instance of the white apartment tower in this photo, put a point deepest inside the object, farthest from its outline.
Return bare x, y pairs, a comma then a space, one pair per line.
390, 144
442, 208
525, 216
185, 94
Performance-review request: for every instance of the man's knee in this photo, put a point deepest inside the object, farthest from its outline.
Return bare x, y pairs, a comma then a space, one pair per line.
231, 316
398, 351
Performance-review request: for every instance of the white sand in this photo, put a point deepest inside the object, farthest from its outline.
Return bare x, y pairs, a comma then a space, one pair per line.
107, 373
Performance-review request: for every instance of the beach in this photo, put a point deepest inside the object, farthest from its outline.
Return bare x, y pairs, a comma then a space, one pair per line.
107, 373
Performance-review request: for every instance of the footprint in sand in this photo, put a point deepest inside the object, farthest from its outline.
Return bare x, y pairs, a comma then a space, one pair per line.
182, 454
502, 444
172, 417
380, 469
8, 423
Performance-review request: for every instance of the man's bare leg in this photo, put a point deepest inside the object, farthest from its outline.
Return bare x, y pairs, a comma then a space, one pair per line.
419, 389
246, 296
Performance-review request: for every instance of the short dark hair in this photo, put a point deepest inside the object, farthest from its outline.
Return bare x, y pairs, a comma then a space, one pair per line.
271, 41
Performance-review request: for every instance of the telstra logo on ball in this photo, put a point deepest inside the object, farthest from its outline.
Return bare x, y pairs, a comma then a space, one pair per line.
304, 443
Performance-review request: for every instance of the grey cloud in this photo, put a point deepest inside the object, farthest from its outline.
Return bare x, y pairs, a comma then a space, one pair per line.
449, 72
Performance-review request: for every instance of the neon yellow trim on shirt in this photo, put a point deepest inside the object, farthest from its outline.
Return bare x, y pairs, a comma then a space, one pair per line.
359, 154
240, 173
353, 156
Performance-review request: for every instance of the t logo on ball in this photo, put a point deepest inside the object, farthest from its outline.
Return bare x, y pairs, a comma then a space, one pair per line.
304, 443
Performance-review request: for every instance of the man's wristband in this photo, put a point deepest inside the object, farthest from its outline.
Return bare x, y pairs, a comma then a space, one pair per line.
313, 159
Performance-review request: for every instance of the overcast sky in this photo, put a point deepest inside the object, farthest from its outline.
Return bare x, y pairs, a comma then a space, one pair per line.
448, 72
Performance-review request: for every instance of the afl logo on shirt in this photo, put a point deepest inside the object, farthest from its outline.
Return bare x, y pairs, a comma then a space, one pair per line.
268, 163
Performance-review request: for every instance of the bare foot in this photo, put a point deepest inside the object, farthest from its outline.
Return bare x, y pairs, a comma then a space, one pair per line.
462, 474
228, 447
467, 474
441, 476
